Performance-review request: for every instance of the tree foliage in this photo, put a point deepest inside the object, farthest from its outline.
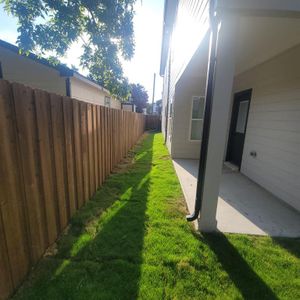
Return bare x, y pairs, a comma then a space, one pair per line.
103, 27
139, 96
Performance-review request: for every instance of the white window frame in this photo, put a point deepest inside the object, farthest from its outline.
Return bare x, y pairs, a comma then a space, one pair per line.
191, 118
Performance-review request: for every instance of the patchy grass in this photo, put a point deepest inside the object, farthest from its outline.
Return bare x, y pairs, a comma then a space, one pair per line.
131, 241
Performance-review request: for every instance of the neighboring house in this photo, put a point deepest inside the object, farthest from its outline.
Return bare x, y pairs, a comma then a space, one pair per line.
128, 106
39, 73
231, 73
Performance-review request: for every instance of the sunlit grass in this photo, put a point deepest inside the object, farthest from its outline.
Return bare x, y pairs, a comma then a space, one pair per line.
131, 241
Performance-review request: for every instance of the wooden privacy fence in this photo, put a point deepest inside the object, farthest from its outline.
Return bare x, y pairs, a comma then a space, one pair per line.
54, 153
153, 122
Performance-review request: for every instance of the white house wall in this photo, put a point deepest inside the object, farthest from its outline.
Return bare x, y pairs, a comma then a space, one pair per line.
192, 83
17, 68
165, 98
192, 24
273, 129
182, 146
83, 91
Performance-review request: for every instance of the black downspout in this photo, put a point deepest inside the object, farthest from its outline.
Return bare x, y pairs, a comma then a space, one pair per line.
68, 87
207, 116
168, 95
1, 73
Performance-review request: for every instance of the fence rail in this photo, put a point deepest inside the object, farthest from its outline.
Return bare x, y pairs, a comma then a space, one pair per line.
55, 152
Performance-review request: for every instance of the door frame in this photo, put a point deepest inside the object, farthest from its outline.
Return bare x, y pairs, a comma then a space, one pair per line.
248, 93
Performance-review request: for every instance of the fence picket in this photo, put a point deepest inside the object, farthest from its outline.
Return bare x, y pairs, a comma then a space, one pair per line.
78, 153
43, 116
14, 228
69, 147
27, 135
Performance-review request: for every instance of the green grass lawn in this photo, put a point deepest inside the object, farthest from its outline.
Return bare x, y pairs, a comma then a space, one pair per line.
131, 241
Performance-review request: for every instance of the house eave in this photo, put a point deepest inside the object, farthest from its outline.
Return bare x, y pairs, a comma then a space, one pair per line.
273, 8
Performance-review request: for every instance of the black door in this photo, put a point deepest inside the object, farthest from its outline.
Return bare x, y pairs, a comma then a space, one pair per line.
239, 118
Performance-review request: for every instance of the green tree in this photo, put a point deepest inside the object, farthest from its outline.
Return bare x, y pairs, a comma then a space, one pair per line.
103, 27
139, 96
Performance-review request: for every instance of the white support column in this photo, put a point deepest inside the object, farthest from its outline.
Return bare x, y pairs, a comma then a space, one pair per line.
224, 75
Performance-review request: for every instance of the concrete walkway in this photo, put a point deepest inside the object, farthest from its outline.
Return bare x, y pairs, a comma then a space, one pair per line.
243, 206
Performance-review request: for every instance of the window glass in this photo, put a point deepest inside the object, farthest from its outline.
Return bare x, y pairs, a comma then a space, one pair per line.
197, 118
198, 107
196, 130
242, 117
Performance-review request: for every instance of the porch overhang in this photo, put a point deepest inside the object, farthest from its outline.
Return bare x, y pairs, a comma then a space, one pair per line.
234, 57
272, 8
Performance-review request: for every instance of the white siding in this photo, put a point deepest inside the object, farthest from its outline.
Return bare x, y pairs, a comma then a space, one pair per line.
190, 28
17, 68
83, 91
192, 24
192, 83
273, 129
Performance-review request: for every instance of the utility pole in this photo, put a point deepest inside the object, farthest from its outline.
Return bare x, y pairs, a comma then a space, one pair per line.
153, 95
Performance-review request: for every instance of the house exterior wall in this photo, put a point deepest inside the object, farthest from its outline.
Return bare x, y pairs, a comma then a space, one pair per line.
273, 128
166, 125
85, 92
192, 17
191, 26
17, 68
182, 145
191, 83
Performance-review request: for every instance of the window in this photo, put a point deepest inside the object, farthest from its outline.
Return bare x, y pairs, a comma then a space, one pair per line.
242, 117
197, 118
107, 101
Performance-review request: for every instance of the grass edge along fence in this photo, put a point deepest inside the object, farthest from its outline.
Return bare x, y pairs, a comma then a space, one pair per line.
55, 153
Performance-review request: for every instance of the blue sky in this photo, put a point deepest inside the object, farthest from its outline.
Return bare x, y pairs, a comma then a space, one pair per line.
148, 32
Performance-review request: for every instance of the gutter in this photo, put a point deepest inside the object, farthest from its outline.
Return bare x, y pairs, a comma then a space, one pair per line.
68, 87
167, 106
207, 113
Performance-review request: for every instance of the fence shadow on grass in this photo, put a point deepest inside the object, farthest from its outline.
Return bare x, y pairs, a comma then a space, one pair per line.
101, 260
245, 279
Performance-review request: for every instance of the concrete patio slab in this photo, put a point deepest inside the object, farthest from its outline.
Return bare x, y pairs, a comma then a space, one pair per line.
243, 206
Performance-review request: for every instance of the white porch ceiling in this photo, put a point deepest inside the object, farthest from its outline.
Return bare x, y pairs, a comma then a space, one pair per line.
258, 40
262, 38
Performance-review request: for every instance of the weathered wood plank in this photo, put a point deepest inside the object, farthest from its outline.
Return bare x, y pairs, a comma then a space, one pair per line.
6, 283
85, 150
78, 153
70, 155
12, 203
29, 152
42, 104
91, 149
60, 158
103, 143
95, 140
106, 141
99, 139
